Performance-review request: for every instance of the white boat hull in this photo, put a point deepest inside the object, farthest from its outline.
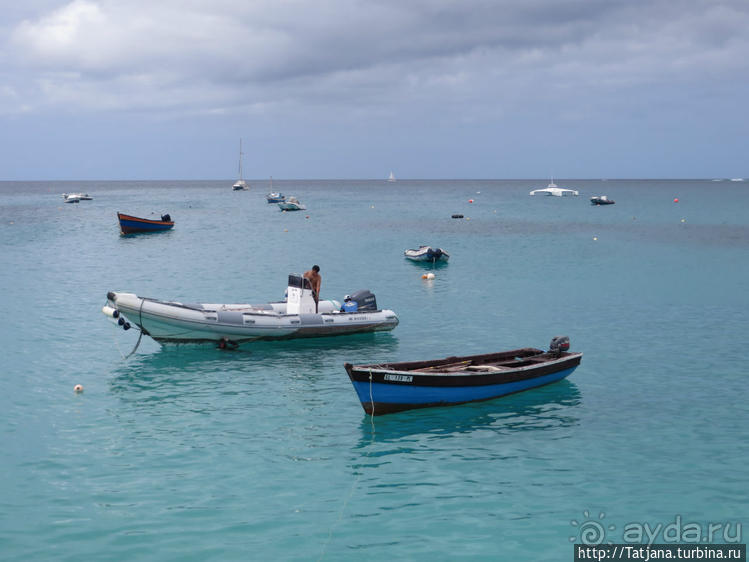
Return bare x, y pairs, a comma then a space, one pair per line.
173, 322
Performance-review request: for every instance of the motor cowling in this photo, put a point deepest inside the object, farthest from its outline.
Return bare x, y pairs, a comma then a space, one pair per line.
364, 299
559, 344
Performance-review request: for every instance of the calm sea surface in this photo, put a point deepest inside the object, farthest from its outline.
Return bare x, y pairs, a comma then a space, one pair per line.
265, 453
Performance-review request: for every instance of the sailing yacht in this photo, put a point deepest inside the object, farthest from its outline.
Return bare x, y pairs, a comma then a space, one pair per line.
240, 184
391, 178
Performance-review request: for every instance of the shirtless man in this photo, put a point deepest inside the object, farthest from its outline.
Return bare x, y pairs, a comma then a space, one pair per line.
315, 280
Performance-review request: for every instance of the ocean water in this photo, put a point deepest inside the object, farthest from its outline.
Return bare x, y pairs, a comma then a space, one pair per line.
264, 453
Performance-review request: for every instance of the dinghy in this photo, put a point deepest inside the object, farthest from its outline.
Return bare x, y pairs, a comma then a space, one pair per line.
291, 204
234, 324
601, 200
384, 388
133, 225
428, 254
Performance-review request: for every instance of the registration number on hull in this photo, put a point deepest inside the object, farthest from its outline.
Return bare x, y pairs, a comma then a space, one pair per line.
399, 378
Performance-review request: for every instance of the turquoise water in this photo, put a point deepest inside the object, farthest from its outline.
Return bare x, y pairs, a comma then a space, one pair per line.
265, 453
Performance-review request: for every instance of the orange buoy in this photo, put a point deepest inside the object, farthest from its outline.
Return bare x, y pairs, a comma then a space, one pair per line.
470, 200
676, 199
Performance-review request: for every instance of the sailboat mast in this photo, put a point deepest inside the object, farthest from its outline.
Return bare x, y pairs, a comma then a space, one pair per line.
240, 158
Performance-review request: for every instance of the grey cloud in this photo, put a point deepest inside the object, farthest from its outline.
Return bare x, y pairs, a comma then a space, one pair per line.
229, 54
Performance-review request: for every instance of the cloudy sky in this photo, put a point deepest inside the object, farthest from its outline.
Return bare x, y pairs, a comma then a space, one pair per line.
164, 89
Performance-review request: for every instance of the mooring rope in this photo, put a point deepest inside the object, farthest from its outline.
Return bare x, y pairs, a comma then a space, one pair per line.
355, 482
140, 328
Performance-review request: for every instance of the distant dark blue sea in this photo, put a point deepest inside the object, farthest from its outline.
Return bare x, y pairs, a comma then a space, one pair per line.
264, 453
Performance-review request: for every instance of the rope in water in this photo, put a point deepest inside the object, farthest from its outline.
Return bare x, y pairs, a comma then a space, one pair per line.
355, 482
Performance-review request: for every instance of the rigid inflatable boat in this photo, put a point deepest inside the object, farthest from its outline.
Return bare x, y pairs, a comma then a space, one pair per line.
233, 324
427, 253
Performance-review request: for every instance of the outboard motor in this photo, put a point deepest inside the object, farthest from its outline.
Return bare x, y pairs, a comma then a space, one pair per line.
166, 218
365, 300
434, 253
559, 345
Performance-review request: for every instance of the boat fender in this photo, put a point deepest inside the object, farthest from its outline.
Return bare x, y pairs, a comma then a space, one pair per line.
126, 326
111, 312
121, 321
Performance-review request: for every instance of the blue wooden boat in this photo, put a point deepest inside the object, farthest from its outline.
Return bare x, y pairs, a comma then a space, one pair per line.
275, 197
131, 225
384, 388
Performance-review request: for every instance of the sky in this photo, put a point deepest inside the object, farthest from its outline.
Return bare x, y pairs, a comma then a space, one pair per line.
336, 89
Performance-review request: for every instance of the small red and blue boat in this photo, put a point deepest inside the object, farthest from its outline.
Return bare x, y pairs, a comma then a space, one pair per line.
133, 225
384, 388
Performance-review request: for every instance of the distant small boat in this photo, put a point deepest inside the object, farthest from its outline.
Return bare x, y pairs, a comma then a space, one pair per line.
601, 200
132, 225
291, 204
274, 196
737, 179
554, 190
427, 254
76, 197
391, 177
385, 388
240, 184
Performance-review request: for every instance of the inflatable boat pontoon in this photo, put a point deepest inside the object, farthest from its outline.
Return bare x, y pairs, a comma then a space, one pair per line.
176, 322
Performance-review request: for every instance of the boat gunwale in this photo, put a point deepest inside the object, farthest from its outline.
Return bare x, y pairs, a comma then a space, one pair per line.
423, 377
255, 312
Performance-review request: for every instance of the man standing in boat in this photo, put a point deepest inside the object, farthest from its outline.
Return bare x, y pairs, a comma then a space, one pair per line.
315, 280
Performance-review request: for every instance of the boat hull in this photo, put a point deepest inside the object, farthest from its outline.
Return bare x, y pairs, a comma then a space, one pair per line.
172, 322
385, 391
132, 225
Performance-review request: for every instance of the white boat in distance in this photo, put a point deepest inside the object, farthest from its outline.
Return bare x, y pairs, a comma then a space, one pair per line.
291, 204
240, 184
391, 177
554, 190
76, 197
234, 324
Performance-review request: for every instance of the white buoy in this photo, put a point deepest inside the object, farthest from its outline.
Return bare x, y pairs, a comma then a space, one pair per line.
430, 276
78, 388
109, 311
